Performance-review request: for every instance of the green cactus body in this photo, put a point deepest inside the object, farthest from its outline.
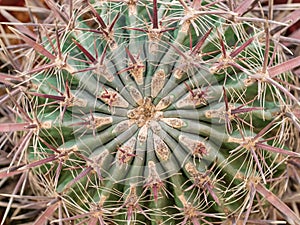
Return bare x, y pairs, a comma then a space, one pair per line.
156, 113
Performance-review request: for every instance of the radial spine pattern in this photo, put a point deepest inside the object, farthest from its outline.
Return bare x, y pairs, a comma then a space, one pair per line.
146, 112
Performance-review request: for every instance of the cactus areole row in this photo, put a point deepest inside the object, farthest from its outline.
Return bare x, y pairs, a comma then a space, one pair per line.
156, 112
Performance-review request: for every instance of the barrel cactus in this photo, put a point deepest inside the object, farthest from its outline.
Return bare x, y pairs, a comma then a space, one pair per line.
154, 112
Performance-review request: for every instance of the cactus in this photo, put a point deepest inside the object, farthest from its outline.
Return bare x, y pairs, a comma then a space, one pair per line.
147, 112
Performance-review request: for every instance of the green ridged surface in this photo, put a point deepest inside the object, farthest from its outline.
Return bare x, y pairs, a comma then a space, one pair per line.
162, 156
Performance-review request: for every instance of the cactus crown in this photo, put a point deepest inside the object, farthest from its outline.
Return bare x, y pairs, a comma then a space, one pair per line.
154, 112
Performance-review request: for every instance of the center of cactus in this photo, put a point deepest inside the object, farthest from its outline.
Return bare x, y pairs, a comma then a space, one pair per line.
143, 113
